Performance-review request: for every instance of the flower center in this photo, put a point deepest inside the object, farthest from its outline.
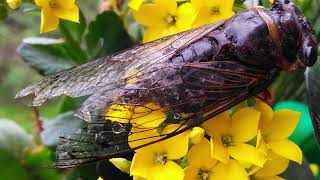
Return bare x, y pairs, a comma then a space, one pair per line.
53, 4
215, 11
203, 174
226, 140
170, 19
161, 159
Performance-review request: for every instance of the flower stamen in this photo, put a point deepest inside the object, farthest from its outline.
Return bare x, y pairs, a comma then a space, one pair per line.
53, 4
171, 20
215, 11
226, 140
203, 174
161, 159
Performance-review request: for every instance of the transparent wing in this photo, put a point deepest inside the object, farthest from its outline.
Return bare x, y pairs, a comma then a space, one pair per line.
215, 87
106, 72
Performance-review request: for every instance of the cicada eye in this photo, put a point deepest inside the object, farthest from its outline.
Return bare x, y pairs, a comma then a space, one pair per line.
310, 55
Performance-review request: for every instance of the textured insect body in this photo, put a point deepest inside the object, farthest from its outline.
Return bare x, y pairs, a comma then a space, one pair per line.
201, 73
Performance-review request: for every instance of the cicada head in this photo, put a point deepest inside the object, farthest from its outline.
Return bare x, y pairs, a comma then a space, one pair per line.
306, 51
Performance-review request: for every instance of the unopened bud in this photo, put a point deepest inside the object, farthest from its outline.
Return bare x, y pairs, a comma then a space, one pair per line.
122, 164
196, 135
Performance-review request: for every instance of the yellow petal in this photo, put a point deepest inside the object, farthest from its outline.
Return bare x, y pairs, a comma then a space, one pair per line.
67, 14
141, 164
230, 171
217, 125
283, 124
247, 153
169, 5
200, 155
135, 4
176, 146
269, 178
287, 149
191, 173
245, 125
42, 3
142, 136
266, 113
226, 8
154, 33
170, 170
219, 151
49, 21
197, 135
202, 17
122, 164
275, 165
66, 4
100, 178
138, 178
151, 15
185, 16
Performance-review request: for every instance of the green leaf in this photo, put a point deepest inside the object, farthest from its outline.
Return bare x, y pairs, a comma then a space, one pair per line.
46, 55
11, 167
106, 35
3, 11
73, 33
35, 160
63, 124
68, 104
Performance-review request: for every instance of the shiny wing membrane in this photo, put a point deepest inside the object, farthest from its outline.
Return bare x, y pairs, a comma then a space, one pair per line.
313, 93
215, 86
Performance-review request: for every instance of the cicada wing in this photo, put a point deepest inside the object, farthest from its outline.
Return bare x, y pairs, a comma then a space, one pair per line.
106, 72
221, 84
313, 93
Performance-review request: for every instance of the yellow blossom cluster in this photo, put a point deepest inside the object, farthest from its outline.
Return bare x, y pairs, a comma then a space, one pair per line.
166, 17
246, 143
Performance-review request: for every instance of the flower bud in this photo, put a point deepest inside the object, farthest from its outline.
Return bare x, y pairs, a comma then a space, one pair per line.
14, 4
196, 135
122, 164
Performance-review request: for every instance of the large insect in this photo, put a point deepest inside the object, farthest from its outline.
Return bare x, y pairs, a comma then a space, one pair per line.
206, 70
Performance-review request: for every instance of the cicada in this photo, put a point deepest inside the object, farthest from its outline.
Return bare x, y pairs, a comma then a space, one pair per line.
190, 76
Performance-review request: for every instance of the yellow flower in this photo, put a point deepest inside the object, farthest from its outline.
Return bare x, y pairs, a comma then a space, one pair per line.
230, 134
276, 127
274, 165
52, 10
100, 178
202, 167
156, 160
212, 10
148, 116
164, 17
14, 4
